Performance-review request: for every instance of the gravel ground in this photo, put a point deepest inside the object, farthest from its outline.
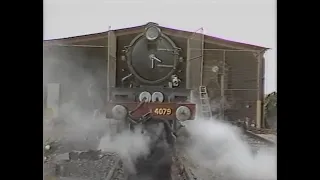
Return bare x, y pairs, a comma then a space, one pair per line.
87, 167
99, 168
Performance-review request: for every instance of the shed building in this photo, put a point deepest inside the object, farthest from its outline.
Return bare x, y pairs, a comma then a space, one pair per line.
233, 72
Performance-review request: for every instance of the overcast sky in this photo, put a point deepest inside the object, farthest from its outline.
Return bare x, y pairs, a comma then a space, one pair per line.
248, 21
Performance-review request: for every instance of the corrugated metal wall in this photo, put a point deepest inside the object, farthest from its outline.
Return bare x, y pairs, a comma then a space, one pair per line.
233, 89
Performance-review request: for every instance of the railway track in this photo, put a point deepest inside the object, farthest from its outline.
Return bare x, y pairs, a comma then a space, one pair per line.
257, 142
181, 171
177, 170
258, 139
117, 171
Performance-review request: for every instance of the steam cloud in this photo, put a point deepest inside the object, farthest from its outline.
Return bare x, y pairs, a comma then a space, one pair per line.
217, 146
69, 68
76, 124
214, 145
129, 145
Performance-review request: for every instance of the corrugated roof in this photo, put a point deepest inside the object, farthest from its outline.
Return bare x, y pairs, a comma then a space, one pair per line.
100, 35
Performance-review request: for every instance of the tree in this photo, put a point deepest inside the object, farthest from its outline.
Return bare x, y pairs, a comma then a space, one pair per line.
270, 110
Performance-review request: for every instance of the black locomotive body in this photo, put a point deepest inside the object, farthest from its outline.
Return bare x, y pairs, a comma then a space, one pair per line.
149, 87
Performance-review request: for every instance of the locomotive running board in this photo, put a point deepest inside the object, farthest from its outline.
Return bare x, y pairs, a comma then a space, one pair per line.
158, 110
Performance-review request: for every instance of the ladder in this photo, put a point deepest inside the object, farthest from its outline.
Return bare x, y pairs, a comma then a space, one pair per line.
205, 103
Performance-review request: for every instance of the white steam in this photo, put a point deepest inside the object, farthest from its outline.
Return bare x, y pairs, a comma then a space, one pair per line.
70, 68
128, 145
76, 70
215, 145
218, 147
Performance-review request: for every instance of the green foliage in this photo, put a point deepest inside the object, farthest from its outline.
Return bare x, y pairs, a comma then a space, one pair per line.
270, 106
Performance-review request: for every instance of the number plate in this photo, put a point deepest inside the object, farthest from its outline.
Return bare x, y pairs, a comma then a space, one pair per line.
162, 111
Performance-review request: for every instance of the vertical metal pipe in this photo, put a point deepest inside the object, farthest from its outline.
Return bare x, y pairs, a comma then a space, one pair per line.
201, 55
107, 59
262, 83
223, 84
108, 78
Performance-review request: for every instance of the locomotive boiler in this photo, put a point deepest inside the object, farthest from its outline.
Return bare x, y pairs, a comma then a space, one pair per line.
150, 88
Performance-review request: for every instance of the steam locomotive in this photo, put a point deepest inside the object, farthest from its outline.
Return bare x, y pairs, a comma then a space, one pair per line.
151, 90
